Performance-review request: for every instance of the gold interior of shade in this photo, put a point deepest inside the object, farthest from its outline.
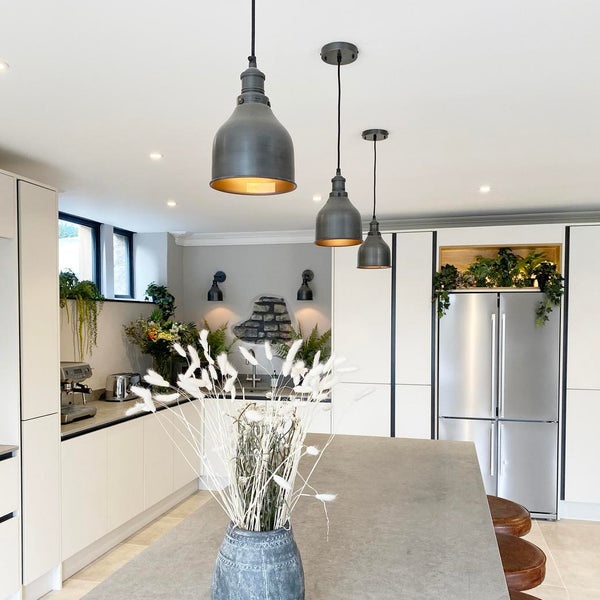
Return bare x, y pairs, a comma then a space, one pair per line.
338, 242
253, 186
463, 256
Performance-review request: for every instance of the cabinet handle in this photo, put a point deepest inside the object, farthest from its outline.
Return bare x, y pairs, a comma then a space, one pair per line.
492, 470
501, 467
502, 363
493, 386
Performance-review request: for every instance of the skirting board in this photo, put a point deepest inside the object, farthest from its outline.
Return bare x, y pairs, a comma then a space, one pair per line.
52, 580
584, 511
84, 557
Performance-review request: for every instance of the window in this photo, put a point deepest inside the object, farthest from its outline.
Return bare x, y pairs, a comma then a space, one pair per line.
123, 263
78, 247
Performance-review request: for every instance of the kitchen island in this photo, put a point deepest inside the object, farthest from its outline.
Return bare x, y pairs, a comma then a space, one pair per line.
411, 522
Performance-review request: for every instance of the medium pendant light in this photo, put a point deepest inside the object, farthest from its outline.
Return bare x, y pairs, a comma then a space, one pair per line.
374, 252
253, 153
338, 222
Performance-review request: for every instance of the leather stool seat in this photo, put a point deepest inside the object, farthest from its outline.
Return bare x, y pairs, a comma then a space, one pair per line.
509, 517
522, 596
524, 563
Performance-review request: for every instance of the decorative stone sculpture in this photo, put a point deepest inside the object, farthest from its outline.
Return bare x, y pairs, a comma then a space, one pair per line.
270, 320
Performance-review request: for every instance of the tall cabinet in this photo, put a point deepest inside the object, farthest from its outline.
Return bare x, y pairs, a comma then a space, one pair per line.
382, 325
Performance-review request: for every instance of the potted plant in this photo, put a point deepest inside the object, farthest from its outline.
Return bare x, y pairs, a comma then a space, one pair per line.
314, 343
88, 304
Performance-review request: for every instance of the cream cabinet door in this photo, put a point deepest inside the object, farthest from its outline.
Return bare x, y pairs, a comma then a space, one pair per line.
362, 317
125, 472
413, 411
10, 557
40, 453
186, 462
414, 266
362, 409
8, 207
84, 491
158, 457
38, 277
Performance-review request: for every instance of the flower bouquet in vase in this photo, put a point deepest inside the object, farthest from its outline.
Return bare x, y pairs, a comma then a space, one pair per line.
260, 444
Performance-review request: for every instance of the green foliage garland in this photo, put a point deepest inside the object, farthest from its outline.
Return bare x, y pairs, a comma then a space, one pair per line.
88, 304
507, 269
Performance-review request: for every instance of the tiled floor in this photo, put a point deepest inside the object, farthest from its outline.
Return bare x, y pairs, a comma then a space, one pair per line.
572, 549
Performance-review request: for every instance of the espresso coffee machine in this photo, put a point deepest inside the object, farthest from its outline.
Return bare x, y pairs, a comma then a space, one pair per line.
71, 376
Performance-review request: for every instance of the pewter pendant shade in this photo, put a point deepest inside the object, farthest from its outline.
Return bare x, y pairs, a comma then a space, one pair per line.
338, 222
253, 153
374, 252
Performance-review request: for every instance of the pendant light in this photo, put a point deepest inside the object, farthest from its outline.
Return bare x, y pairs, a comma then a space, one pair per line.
338, 222
374, 252
253, 153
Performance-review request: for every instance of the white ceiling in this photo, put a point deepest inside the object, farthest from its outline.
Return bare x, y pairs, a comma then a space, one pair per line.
473, 92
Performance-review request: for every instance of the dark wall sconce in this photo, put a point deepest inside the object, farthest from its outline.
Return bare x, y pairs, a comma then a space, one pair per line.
304, 292
215, 294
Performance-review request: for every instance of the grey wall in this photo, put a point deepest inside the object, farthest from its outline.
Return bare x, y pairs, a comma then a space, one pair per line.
252, 271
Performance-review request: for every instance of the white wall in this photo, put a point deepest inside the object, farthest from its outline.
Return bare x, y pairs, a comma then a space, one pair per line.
252, 271
113, 354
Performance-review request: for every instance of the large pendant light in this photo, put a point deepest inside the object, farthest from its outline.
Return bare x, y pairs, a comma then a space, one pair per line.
253, 153
338, 222
374, 252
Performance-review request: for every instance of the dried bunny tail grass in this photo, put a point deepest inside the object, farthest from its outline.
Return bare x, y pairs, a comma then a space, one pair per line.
146, 395
268, 351
246, 354
153, 378
289, 359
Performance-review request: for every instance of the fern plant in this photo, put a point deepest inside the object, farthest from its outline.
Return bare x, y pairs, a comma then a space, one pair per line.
314, 343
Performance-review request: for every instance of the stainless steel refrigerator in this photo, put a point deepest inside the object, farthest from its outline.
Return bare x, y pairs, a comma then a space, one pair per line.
498, 386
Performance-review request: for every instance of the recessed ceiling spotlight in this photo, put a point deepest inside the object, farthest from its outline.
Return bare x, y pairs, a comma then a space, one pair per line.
317, 198
484, 189
171, 203
3, 66
155, 155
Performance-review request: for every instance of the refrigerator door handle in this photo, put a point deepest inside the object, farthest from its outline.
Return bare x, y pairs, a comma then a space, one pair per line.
493, 386
502, 361
492, 470
501, 465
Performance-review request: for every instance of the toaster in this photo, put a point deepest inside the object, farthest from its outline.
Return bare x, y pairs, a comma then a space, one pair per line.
118, 386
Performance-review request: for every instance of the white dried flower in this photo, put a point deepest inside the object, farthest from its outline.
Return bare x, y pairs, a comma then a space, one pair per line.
213, 372
326, 497
316, 359
208, 357
246, 354
179, 349
289, 359
298, 370
191, 386
282, 483
137, 408
153, 378
204, 339
146, 395
253, 416
166, 398
312, 450
268, 351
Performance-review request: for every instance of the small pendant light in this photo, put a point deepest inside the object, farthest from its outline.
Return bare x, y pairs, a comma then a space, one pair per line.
253, 153
338, 222
374, 252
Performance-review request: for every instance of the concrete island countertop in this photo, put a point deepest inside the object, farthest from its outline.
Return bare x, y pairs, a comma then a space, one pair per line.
5, 450
410, 522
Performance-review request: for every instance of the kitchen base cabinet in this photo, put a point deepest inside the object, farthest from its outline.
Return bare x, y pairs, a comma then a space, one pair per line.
8, 206
10, 557
84, 491
125, 485
358, 412
186, 463
158, 457
413, 411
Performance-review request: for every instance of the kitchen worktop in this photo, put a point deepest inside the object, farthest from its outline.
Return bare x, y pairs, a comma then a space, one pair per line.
113, 413
4, 450
410, 521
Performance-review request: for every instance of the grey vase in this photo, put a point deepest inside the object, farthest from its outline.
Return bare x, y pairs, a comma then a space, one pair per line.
258, 565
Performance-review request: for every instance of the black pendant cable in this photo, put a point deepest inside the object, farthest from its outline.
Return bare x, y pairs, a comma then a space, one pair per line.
374, 252
253, 153
338, 222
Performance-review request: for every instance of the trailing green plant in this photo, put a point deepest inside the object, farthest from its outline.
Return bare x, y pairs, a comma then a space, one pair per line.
507, 269
164, 300
550, 281
88, 304
314, 343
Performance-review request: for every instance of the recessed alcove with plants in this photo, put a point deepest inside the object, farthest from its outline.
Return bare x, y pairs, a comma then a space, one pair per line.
520, 266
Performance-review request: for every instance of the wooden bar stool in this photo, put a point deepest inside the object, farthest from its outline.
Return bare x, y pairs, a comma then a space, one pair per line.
509, 517
524, 563
522, 596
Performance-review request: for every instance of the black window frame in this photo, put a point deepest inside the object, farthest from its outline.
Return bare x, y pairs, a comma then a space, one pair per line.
129, 235
95, 227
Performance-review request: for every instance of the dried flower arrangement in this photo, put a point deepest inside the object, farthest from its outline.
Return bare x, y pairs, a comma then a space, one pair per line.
260, 442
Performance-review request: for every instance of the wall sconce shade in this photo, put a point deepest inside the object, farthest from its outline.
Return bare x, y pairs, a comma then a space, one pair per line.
215, 294
304, 292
